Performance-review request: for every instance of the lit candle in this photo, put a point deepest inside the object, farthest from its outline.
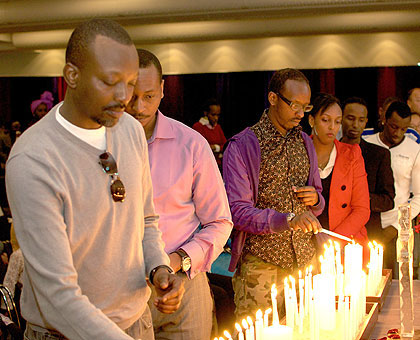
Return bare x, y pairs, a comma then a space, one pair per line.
266, 314
239, 329
324, 292
259, 325
301, 307
247, 333
346, 328
294, 300
353, 260
278, 332
337, 254
287, 303
276, 320
227, 335
251, 328
307, 292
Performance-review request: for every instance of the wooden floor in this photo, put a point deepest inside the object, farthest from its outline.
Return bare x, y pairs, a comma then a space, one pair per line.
389, 317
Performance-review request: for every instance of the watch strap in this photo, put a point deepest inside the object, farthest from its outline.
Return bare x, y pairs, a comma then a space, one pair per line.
154, 270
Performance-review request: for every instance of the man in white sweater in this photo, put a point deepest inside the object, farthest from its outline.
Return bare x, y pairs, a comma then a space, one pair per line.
80, 191
405, 163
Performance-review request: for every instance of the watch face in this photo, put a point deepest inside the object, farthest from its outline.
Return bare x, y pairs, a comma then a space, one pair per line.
186, 264
290, 216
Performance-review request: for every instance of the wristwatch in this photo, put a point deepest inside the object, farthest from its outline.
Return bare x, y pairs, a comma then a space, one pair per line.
185, 260
290, 217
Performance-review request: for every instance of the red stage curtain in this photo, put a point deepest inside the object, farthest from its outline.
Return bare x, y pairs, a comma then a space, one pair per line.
327, 81
386, 84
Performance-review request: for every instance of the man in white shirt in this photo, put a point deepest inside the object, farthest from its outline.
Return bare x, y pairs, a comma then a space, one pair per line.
405, 163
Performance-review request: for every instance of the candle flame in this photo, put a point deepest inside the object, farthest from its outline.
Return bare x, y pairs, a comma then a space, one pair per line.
307, 271
259, 314
310, 269
221, 338
244, 324
300, 274
375, 244
273, 291
238, 327
268, 311
250, 323
286, 283
227, 334
370, 245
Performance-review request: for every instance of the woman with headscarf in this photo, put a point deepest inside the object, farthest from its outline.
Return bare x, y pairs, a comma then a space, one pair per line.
41, 106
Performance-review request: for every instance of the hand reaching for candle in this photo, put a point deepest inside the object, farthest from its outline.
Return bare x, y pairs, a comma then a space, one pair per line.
169, 289
307, 195
306, 221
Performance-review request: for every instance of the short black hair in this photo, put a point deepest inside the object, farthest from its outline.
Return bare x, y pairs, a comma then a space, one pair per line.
210, 102
389, 100
85, 34
411, 92
322, 102
280, 77
399, 107
147, 58
355, 100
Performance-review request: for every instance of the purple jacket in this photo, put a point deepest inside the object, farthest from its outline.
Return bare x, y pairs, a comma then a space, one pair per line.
241, 169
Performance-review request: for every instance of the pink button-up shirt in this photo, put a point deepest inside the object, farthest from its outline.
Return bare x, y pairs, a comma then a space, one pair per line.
188, 191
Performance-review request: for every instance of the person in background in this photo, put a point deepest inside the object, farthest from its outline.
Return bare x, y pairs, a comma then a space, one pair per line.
413, 99
274, 190
210, 129
405, 163
410, 132
5, 146
80, 191
378, 168
15, 131
190, 199
41, 106
415, 122
343, 175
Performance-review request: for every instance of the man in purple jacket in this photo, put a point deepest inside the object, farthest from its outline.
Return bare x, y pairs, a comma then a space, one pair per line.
274, 190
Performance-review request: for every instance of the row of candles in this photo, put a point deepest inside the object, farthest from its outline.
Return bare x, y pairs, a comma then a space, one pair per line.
317, 309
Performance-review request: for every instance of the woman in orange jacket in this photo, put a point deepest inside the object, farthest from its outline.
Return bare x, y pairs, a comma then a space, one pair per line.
342, 172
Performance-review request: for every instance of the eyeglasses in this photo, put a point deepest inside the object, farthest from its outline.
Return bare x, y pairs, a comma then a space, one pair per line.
294, 105
109, 166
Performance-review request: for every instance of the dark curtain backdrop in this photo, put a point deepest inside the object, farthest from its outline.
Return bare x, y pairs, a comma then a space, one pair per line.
243, 95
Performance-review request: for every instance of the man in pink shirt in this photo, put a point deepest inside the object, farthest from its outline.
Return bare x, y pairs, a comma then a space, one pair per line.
190, 199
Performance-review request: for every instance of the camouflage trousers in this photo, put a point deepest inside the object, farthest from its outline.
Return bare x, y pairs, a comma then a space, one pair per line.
252, 285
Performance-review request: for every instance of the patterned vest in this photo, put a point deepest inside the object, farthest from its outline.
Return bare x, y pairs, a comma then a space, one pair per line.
284, 164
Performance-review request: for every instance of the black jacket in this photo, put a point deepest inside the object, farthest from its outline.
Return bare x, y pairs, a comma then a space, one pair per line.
381, 184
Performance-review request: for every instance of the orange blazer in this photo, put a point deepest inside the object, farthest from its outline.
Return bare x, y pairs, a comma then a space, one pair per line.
349, 206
